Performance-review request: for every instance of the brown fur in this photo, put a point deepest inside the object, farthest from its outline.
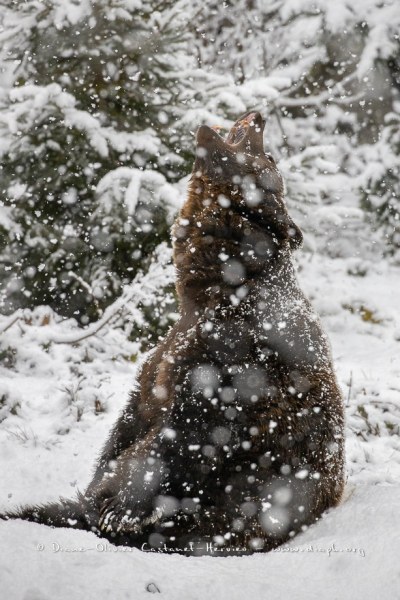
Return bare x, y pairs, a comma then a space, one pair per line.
234, 434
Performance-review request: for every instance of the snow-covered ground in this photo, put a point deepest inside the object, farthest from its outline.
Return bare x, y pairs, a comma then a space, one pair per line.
58, 401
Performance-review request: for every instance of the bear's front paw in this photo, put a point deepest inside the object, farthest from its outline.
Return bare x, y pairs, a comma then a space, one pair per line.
116, 517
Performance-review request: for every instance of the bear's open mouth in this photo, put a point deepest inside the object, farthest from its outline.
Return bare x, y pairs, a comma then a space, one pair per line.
241, 128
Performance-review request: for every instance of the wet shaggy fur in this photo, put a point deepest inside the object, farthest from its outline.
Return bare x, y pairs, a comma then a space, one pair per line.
232, 440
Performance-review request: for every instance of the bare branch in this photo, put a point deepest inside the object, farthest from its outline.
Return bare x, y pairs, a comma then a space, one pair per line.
13, 319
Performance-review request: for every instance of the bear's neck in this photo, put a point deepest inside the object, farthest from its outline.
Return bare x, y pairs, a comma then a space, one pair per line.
219, 253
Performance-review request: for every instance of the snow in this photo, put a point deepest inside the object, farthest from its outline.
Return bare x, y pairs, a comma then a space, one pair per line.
338, 558
124, 184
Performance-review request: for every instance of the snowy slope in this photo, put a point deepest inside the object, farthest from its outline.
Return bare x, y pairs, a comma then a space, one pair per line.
351, 554
48, 446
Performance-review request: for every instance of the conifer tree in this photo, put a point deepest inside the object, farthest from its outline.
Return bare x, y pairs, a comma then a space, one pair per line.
88, 147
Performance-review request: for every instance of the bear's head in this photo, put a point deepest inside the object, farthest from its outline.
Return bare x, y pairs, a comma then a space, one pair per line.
240, 165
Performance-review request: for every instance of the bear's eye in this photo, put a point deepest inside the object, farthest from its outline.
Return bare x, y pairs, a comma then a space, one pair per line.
270, 157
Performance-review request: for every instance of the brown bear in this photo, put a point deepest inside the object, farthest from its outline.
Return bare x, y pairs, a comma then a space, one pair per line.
232, 440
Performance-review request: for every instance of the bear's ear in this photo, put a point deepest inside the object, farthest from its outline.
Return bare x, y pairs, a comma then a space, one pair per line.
211, 150
208, 139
